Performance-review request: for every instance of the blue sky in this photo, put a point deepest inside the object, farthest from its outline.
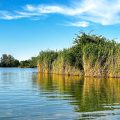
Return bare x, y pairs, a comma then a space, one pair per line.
29, 26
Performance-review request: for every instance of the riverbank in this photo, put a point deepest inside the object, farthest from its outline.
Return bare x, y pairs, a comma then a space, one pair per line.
75, 72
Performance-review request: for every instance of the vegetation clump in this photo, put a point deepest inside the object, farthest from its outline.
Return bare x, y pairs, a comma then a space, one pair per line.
31, 63
90, 55
8, 61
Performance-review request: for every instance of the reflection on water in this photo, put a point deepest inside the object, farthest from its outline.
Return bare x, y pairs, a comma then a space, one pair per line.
28, 95
90, 97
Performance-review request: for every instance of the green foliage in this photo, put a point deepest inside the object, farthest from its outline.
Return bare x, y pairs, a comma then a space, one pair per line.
88, 52
25, 64
47, 57
31, 63
8, 61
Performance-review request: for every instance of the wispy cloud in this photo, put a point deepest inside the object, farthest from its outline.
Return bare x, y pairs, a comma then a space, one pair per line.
78, 24
13, 15
104, 12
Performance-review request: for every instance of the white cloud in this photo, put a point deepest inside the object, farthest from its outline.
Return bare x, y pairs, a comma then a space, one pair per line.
104, 12
78, 24
5, 15
10, 16
44, 9
65, 10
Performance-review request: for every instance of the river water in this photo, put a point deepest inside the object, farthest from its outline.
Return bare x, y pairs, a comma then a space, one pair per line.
27, 95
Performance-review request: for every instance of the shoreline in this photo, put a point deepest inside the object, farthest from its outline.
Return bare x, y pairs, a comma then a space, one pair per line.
70, 75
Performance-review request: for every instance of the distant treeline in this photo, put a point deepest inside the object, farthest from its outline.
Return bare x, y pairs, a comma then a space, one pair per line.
31, 63
10, 61
90, 55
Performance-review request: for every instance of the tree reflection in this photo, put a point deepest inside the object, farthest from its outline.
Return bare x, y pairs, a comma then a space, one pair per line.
85, 94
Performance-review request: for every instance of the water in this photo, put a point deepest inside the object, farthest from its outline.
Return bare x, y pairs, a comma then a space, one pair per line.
27, 95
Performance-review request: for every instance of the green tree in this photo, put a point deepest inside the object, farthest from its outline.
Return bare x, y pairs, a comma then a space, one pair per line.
8, 61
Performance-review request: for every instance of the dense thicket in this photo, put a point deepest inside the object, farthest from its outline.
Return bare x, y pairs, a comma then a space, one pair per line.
31, 63
92, 55
46, 59
8, 61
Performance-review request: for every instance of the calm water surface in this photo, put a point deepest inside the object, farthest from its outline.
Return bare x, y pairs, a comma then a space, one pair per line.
27, 95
